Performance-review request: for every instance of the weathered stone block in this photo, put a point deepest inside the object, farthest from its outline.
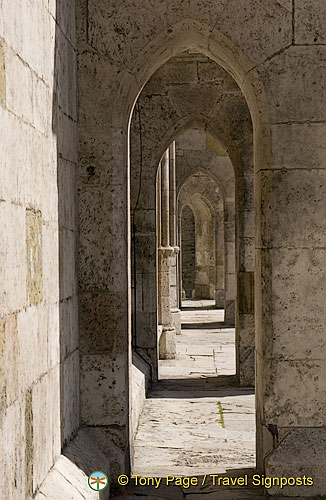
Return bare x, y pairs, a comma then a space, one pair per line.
66, 69
34, 256
146, 330
300, 453
45, 415
66, 131
229, 312
53, 328
208, 71
101, 329
98, 268
67, 263
299, 145
176, 320
246, 292
246, 329
19, 98
284, 404
297, 196
31, 345
288, 96
69, 396
167, 343
298, 303
310, 22
103, 390
50, 263
69, 331
2, 76
3, 399
42, 100
12, 455
247, 367
246, 254
13, 256
192, 140
237, 20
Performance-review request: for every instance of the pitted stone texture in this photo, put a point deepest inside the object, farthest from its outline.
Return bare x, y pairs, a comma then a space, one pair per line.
300, 453
100, 391
95, 315
301, 197
287, 96
310, 21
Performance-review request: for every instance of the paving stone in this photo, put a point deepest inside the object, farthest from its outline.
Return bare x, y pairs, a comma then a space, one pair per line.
196, 430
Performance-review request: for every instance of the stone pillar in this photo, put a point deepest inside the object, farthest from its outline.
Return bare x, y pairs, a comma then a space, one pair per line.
174, 284
219, 259
245, 306
229, 265
167, 345
158, 206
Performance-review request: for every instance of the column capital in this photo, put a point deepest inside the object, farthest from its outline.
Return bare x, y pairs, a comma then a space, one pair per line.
166, 251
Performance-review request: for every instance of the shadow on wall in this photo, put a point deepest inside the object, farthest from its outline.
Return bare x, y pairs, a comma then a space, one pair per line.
188, 246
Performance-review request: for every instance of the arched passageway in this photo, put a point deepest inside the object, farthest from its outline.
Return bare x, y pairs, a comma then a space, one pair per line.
260, 65
92, 96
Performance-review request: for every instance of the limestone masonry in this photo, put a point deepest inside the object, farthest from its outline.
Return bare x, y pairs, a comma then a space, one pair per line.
163, 245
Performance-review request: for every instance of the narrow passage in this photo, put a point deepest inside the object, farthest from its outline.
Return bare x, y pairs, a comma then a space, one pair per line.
197, 421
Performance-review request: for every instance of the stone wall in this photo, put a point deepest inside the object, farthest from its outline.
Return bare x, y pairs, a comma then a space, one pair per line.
39, 360
269, 48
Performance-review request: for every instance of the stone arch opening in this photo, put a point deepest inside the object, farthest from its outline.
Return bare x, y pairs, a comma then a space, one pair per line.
204, 285
166, 334
184, 35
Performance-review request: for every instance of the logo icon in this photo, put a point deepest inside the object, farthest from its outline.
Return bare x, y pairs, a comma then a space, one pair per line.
98, 481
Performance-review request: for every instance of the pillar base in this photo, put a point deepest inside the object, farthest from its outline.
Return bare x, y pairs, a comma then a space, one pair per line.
167, 343
300, 453
219, 298
176, 320
229, 312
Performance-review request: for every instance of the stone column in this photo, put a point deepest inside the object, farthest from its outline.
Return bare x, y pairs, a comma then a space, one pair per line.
167, 345
229, 265
158, 206
175, 311
219, 256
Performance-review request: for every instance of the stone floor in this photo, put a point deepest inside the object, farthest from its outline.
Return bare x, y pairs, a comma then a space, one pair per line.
196, 421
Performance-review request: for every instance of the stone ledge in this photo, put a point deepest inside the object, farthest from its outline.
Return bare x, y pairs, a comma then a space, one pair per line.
68, 478
140, 381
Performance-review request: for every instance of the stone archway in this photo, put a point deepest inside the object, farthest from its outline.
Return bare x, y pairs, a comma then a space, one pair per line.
205, 270
184, 35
